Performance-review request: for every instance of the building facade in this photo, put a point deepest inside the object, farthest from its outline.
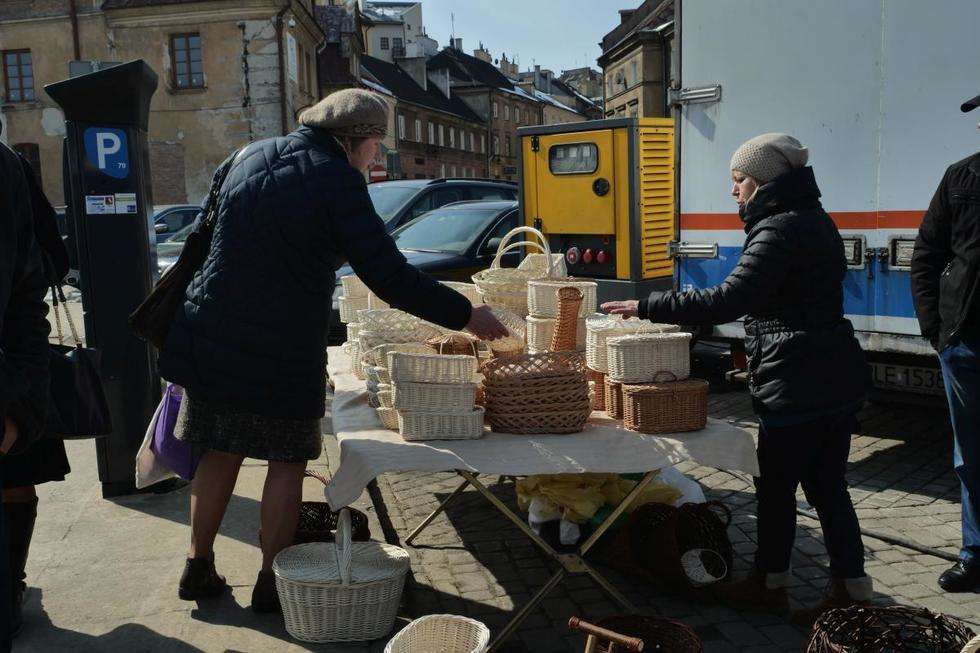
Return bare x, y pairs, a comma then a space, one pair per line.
635, 62
586, 81
562, 103
230, 72
395, 30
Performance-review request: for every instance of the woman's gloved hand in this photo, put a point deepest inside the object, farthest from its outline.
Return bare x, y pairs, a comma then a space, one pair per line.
485, 325
627, 308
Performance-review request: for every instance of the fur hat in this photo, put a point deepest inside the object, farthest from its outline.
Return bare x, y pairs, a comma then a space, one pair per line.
767, 156
350, 112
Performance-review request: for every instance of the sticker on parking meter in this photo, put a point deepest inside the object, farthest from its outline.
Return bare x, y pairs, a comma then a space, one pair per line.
125, 202
100, 204
106, 149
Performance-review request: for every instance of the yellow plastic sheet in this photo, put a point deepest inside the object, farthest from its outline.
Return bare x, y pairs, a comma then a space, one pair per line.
577, 497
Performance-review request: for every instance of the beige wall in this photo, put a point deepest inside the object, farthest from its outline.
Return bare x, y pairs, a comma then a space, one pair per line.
554, 115
643, 92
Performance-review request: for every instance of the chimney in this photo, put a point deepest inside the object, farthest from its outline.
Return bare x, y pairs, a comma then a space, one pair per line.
458, 44
625, 14
415, 68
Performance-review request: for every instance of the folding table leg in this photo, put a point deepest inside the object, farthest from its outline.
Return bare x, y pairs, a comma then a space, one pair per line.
435, 513
525, 611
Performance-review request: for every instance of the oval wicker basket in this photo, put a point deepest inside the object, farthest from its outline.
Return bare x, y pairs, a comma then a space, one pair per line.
672, 407
430, 368
891, 629
552, 422
507, 287
542, 300
416, 426
389, 418
441, 633
568, 396
527, 367
640, 357
349, 306
353, 286
340, 591
434, 397
467, 290
600, 328
614, 398
540, 331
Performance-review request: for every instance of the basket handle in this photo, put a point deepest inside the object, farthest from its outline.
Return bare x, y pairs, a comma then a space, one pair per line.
629, 644
309, 473
545, 248
342, 542
671, 376
495, 264
726, 513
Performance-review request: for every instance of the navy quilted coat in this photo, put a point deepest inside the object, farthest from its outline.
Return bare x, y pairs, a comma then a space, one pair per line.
252, 333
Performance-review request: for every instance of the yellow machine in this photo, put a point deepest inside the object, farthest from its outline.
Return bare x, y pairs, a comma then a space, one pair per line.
602, 191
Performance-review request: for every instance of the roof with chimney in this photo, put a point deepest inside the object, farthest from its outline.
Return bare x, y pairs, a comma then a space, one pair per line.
469, 69
404, 87
386, 12
649, 14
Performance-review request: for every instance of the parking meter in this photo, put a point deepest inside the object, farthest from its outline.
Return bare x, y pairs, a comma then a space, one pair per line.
107, 190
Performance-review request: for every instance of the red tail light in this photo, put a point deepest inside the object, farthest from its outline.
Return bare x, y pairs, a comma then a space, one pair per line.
587, 256
603, 257
572, 255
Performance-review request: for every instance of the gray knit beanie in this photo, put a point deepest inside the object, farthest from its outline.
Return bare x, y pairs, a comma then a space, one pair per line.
350, 112
767, 156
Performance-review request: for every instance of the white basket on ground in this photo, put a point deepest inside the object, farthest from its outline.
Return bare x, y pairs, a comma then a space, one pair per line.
467, 290
541, 329
389, 418
434, 397
507, 287
340, 591
641, 357
349, 306
416, 426
430, 368
542, 296
600, 328
441, 633
353, 286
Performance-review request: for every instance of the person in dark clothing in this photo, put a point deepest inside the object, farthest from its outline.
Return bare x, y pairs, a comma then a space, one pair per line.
945, 279
807, 373
249, 344
24, 375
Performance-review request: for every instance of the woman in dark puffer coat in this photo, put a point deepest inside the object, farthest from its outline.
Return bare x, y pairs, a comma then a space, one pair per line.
807, 373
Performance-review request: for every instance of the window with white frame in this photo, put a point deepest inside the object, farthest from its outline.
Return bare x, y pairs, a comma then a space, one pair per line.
442, 170
442, 137
496, 144
494, 109
506, 112
432, 133
483, 143
401, 127
418, 130
472, 142
452, 137
517, 115
452, 171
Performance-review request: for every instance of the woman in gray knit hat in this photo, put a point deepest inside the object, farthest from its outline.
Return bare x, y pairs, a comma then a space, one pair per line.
249, 344
807, 373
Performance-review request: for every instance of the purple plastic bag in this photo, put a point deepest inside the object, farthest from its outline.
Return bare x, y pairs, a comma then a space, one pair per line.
176, 454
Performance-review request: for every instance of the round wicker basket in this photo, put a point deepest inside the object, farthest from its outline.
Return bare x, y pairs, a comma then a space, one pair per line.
640, 357
891, 629
441, 633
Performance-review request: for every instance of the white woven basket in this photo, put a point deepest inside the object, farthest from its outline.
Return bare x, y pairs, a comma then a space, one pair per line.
353, 286
381, 351
375, 303
371, 340
441, 633
542, 296
643, 357
387, 319
389, 418
467, 290
370, 372
507, 287
434, 397
349, 306
540, 331
340, 591
415, 426
355, 359
600, 328
353, 328
430, 368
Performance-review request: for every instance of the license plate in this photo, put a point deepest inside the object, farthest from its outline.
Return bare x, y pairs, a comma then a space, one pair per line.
907, 378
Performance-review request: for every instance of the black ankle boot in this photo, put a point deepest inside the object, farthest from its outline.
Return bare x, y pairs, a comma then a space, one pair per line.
20, 528
200, 580
265, 596
961, 577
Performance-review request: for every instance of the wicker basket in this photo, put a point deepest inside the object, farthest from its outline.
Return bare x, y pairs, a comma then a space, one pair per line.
441, 633
371, 340
354, 352
349, 306
514, 343
542, 296
557, 422
568, 396
381, 351
507, 287
657, 633
565, 337
389, 418
891, 629
385, 398
353, 329
387, 319
540, 331
600, 328
598, 379
614, 398
674, 407
317, 522
453, 344
434, 397
528, 367
430, 368
640, 357
353, 286
370, 372
376, 303
419, 426
342, 591
467, 290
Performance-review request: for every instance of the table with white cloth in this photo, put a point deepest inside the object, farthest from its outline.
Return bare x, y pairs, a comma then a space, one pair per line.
367, 450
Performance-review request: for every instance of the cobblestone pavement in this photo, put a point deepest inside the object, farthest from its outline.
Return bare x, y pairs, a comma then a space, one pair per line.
472, 561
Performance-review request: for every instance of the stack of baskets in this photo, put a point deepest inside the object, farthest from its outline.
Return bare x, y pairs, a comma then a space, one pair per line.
380, 396
435, 396
353, 299
648, 386
598, 330
384, 326
508, 287
542, 301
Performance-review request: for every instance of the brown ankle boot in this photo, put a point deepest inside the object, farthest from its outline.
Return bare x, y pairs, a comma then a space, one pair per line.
752, 593
200, 580
840, 593
265, 596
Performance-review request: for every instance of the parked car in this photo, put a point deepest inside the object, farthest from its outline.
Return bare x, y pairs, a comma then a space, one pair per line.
398, 202
451, 243
169, 220
168, 251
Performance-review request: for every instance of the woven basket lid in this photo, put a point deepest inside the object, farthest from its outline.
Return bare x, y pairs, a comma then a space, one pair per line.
667, 387
317, 563
641, 339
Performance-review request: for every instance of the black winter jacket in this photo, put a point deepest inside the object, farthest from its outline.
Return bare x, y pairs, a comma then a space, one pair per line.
946, 259
803, 357
24, 328
252, 333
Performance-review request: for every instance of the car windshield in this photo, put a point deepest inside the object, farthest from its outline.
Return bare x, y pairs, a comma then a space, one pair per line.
388, 199
181, 235
445, 230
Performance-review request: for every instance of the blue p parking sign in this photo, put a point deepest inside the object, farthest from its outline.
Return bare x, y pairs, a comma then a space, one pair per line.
106, 149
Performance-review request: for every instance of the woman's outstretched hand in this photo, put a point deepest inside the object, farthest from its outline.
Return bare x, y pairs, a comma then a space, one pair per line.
626, 308
485, 325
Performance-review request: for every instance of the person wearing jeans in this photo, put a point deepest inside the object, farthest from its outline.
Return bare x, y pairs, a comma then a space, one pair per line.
946, 291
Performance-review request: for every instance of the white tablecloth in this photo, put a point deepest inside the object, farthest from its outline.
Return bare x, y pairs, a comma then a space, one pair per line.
368, 450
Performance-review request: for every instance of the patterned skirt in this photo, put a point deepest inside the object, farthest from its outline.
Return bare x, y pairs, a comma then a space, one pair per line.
210, 426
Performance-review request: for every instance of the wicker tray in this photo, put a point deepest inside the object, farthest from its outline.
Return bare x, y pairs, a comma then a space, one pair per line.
673, 407
434, 397
640, 357
430, 368
353, 286
569, 421
417, 426
614, 398
542, 296
540, 331
528, 367
600, 328
349, 306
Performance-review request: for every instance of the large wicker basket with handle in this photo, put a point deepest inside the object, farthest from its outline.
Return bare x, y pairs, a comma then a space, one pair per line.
672, 407
507, 287
640, 357
600, 328
342, 591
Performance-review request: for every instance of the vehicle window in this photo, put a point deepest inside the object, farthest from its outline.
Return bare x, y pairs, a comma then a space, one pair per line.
388, 200
445, 230
445, 196
507, 223
573, 159
424, 205
188, 216
489, 193
174, 221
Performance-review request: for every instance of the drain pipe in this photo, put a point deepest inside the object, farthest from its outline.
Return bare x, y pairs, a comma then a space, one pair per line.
280, 40
73, 15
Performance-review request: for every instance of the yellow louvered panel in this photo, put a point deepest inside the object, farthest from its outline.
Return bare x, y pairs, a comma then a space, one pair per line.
656, 193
